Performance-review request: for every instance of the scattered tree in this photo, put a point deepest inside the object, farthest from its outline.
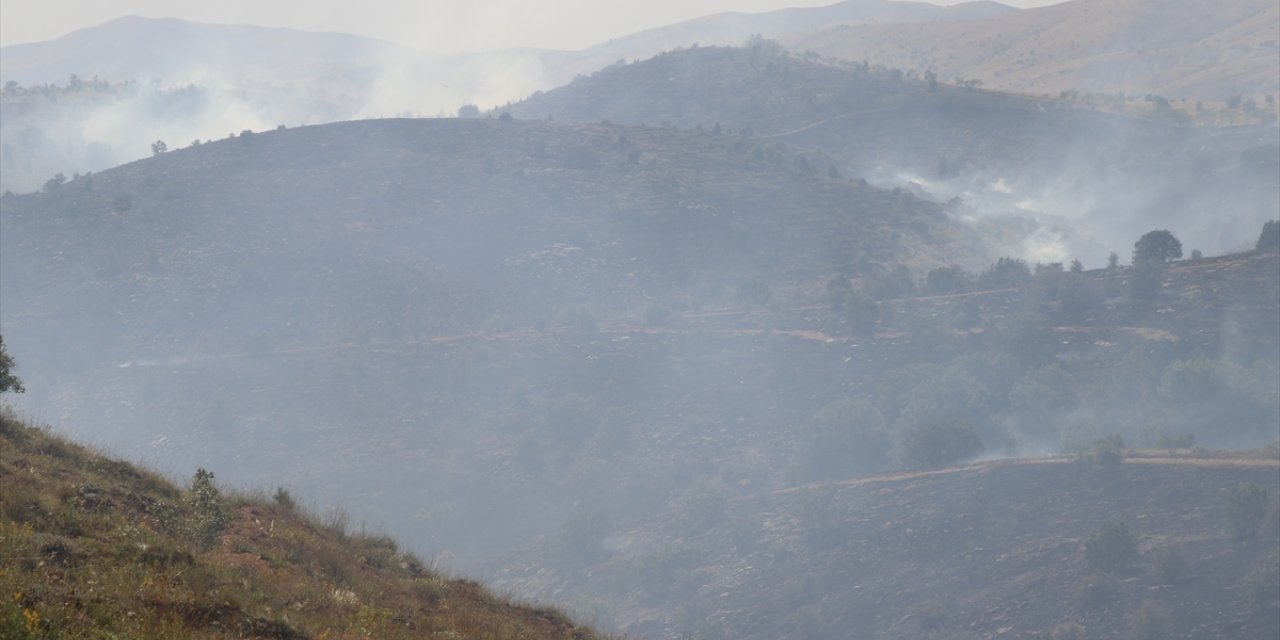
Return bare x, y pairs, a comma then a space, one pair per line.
8, 381
209, 514
1269, 239
158, 147
937, 444
1157, 246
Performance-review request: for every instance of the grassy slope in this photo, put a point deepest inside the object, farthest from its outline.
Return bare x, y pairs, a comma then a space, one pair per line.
92, 547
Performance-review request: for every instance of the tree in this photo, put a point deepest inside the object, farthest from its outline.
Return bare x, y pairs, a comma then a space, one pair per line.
1005, 273
938, 444
8, 381
1269, 240
158, 147
1157, 246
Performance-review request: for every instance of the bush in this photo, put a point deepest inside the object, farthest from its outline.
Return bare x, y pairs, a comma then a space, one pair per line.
938, 444
1156, 246
1106, 452
1269, 239
8, 381
1246, 510
1005, 273
1112, 548
209, 512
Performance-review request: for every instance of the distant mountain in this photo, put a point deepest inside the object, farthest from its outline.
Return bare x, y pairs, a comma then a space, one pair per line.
1194, 49
734, 28
175, 50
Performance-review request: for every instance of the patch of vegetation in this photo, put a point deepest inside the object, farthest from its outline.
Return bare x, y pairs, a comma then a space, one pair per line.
92, 548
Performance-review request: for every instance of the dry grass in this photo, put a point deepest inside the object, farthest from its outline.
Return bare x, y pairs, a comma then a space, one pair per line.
95, 548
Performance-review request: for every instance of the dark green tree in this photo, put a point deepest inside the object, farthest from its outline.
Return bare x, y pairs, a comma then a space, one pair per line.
208, 510
938, 444
1269, 240
8, 381
1157, 246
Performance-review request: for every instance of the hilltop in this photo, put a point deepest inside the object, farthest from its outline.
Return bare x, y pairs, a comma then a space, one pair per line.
93, 546
1192, 49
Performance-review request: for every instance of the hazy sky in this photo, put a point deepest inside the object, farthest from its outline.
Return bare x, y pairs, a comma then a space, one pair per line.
442, 25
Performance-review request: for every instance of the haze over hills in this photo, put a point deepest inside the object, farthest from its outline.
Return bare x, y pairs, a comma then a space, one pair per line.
406, 250
731, 342
236, 77
1193, 49
1055, 172
997, 549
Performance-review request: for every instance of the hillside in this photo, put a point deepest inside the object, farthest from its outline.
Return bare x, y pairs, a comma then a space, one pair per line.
991, 550
425, 296
1066, 181
94, 547
733, 28
1192, 49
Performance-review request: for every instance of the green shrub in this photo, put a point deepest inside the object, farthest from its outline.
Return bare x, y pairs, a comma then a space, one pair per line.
1106, 452
937, 444
209, 513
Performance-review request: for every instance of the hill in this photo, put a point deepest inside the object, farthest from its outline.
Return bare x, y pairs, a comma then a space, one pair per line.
427, 294
1073, 180
96, 547
734, 28
1192, 49
997, 549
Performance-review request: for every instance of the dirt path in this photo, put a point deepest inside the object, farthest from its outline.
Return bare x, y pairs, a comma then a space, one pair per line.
1158, 457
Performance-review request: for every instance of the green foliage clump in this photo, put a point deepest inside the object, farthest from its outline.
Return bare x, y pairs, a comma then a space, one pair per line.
209, 513
1106, 452
946, 280
937, 444
1269, 239
1246, 510
8, 381
1005, 273
1112, 548
1146, 278
1158, 246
